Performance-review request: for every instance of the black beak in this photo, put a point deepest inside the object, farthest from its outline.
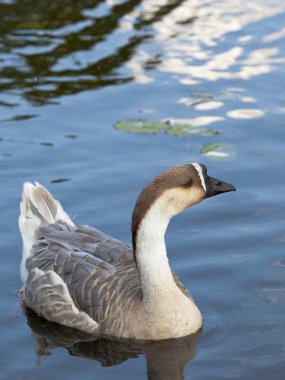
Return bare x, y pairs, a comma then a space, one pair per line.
215, 186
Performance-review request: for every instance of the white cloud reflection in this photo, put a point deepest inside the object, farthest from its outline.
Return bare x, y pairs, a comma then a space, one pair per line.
274, 36
191, 39
195, 122
245, 113
208, 106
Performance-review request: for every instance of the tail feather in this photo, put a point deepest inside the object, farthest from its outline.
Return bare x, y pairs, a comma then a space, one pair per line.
38, 208
44, 204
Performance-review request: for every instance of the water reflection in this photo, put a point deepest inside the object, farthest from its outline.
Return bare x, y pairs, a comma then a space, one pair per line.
245, 113
189, 36
45, 48
62, 48
165, 360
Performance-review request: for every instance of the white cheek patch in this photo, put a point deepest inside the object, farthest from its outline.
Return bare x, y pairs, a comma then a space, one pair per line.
200, 173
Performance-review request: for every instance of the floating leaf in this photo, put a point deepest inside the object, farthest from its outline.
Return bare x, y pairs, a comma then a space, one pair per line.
219, 151
167, 126
187, 130
211, 147
140, 126
208, 132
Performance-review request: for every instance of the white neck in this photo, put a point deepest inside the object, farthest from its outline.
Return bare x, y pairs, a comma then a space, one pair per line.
155, 273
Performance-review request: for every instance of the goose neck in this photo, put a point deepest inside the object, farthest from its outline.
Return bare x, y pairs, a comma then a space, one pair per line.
151, 256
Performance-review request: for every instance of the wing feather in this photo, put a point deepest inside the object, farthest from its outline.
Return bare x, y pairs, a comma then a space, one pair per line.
98, 273
48, 295
62, 250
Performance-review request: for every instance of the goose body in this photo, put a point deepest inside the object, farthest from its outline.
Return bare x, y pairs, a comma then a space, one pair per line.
80, 277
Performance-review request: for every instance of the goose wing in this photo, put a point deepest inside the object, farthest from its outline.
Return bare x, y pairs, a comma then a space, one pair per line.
86, 239
95, 270
78, 275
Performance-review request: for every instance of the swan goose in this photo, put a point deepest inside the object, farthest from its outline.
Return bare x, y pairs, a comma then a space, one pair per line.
79, 277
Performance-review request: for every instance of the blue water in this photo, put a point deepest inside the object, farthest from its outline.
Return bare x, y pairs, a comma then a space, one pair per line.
69, 72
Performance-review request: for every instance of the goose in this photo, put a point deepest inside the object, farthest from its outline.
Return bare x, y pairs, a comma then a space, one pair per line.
80, 277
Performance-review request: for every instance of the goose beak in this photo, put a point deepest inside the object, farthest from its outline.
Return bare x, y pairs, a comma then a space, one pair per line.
215, 186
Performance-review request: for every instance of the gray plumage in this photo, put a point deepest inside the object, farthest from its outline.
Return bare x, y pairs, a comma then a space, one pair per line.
99, 271
79, 277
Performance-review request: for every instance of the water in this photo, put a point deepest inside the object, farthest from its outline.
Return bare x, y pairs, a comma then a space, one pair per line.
69, 72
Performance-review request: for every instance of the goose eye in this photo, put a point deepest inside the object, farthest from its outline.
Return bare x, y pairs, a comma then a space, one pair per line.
188, 183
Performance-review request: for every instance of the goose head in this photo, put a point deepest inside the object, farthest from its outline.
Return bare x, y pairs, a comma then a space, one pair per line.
173, 191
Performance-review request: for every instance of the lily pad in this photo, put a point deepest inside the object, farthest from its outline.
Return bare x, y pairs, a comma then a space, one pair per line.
219, 151
152, 126
140, 126
187, 130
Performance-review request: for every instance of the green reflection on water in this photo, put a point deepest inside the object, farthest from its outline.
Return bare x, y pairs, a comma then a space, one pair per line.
44, 44
60, 30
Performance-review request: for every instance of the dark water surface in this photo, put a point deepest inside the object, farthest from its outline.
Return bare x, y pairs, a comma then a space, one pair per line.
69, 71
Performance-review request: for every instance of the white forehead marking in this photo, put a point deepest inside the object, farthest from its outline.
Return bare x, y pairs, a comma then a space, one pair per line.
199, 171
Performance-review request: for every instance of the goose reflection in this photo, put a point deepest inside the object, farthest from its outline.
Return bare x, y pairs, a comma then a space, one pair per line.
165, 360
